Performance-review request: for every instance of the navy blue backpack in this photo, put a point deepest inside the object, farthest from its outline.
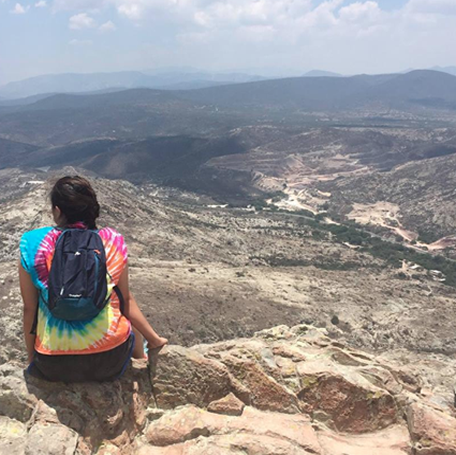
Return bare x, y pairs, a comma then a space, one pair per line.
78, 279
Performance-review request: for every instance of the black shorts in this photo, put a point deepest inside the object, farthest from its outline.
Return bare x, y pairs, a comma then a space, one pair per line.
104, 366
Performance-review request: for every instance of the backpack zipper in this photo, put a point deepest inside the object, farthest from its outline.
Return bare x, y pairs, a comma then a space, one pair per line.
97, 267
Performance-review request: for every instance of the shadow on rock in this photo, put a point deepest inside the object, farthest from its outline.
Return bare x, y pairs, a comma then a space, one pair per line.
85, 415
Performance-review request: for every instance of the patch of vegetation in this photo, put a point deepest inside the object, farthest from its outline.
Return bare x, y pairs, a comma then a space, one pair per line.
260, 202
276, 196
395, 254
427, 236
306, 213
324, 206
392, 253
321, 262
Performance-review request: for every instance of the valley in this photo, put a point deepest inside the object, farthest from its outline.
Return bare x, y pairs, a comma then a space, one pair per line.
317, 201
204, 273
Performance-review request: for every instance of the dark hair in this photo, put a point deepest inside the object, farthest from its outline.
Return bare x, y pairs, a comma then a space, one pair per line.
76, 199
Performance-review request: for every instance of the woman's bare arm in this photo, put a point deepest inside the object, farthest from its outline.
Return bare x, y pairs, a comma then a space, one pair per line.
135, 315
30, 298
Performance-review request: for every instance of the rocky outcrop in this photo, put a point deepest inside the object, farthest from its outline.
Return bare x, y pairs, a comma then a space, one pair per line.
290, 391
229, 405
433, 432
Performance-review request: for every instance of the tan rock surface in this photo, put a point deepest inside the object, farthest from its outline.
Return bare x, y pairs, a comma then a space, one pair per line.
351, 407
433, 432
191, 423
51, 439
183, 376
307, 395
392, 441
229, 405
12, 436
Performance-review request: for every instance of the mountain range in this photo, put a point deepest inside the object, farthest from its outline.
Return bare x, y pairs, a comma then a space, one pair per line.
78, 82
166, 79
246, 140
423, 88
141, 113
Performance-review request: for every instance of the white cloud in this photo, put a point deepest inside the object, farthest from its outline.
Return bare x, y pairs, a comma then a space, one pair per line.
202, 18
80, 21
80, 5
432, 6
41, 4
133, 11
343, 35
108, 26
19, 9
360, 12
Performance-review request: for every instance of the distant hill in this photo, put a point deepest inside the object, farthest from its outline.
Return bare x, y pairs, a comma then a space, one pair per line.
177, 159
24, 101
424, 190
12, 152
320, 73
445, 69
131, 97
417, 88
6, 102
140, 113
303, 93
78, 83
424, 88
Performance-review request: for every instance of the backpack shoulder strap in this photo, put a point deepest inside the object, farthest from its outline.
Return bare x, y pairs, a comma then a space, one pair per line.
35, 319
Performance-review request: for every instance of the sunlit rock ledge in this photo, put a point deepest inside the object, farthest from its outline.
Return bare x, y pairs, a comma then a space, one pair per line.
290, 391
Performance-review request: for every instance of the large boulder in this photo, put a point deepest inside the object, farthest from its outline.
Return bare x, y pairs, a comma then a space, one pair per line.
266, 392
188, 424
183, 376
229, 405
15, 400
13, 436
290, 391
51, 439
348, 405
391, 441
59, 414
433, 431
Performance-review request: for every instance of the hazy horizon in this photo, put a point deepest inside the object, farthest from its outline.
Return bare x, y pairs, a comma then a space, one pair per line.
264, 37
265, 72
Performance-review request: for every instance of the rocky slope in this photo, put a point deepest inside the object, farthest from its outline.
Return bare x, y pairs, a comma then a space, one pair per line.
203, 273
422, 190
290, 391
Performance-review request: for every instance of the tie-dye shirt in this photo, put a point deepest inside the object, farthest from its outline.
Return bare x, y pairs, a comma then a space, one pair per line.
58, 337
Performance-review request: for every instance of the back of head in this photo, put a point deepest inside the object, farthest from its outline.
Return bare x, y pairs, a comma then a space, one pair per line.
77, 200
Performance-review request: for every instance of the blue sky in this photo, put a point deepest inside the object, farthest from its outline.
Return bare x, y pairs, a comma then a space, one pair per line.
278, 37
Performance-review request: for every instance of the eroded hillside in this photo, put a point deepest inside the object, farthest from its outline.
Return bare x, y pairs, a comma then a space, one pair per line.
204, 273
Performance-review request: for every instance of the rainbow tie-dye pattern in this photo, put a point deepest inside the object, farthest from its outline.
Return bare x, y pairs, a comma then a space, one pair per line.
58, 337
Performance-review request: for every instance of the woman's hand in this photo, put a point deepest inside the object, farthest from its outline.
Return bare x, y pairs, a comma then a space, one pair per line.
135, 315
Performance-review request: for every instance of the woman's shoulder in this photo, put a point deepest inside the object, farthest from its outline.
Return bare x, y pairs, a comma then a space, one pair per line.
36, 234
36, 240
109, 233
114, 242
